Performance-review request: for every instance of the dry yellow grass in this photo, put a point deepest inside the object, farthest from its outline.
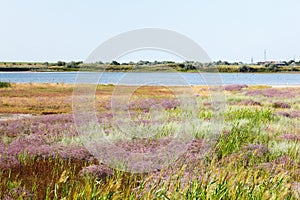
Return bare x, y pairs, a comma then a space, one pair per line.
49, 98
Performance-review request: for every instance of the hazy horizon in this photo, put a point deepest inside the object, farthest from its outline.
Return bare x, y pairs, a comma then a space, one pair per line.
232, 30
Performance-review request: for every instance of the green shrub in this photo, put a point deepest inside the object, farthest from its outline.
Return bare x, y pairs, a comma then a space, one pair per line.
4, 84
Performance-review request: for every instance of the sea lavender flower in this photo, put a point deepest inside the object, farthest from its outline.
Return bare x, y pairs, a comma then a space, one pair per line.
8, 161
284, 114
257, 149
290, 136
170, 104
20, 145
146, 104
293, 114
271, 92
18, 193
3, 147
143, 145
97, 171
250, 102
235, 87
285, 161
296, 189
281, 105
73, 152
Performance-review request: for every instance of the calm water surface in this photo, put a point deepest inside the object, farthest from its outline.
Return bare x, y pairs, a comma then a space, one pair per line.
151, 78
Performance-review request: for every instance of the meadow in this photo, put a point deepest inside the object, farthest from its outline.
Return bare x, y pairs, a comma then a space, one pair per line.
256, 155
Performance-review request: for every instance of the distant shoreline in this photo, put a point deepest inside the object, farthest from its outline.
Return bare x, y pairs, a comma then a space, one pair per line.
146, 66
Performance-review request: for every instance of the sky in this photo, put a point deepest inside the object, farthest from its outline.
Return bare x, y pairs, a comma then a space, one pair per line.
231, 30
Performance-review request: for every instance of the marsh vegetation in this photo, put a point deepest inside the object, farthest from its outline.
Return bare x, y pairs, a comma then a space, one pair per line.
256, 156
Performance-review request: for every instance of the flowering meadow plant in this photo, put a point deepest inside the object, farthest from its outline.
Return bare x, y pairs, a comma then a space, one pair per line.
256, 156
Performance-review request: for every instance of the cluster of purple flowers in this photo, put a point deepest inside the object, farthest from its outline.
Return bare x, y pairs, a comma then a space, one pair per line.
292, 114
281, 105
37, 137
257, 149
18, 193
272, 92
48, 125
250, 103
235, 87
280, 163
7, 161
147, 104
290, 136
100, 172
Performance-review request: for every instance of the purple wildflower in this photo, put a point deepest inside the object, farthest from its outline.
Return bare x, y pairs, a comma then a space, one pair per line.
284, 114
20, 145
235, 87
290, 136
281, 105
18, 193
7, 161
293, 114
97, 171
257, 149
287, 93
250, 103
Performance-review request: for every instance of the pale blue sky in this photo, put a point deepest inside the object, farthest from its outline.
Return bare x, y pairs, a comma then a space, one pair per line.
233, 30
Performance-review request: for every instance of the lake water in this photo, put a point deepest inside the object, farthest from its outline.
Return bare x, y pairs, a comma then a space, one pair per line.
151, 78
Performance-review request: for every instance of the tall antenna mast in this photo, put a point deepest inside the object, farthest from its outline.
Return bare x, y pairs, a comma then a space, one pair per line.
265, 54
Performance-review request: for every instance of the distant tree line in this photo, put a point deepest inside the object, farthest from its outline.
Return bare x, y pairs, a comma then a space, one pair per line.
194, 65
71, 64
222, 66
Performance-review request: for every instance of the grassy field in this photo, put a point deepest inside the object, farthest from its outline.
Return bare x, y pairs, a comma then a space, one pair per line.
256, 156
